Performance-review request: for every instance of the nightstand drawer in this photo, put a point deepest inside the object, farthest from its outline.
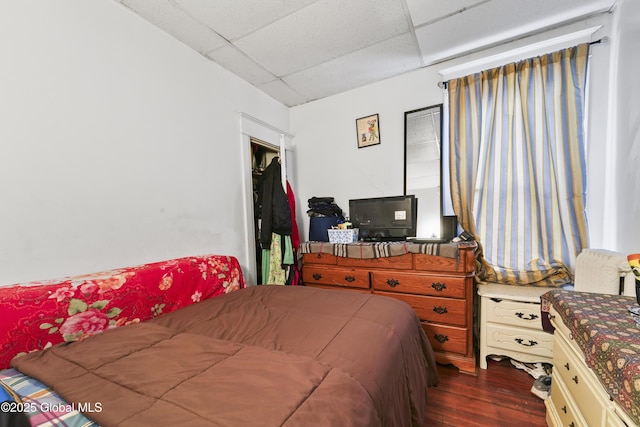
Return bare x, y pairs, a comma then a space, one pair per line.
422, 284
446, 338
514, 313
348, 277
519, 340
433, 309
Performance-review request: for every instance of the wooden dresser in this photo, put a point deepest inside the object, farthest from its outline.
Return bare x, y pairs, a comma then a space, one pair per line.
440, 290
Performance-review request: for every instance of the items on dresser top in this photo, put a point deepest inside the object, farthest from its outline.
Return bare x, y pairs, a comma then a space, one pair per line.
510, 324
436, 280
596, 358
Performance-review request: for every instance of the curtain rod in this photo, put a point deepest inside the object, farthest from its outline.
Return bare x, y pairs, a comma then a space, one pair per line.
605, 39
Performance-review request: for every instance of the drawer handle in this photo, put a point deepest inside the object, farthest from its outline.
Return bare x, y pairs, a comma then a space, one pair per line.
530, 344
349, 279
564, 409
319, 255
440, 310
317, 276
439, 286
572, 424
530, 317
392, 282
566, 365
441, 338
575, 379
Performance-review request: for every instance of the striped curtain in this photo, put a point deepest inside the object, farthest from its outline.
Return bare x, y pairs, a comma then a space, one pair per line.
517, 166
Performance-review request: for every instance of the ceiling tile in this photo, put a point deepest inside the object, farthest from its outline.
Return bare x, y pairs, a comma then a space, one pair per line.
165, 15
236, 18
283, 93
510, 19
240, 64
323, 31
381, 61
430, 10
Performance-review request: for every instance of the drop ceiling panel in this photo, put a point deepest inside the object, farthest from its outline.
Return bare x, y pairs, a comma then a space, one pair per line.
300, 50
430, 10
323, 31
282, 92
372, 64
235, 18
509, 20
241, 65
166, 16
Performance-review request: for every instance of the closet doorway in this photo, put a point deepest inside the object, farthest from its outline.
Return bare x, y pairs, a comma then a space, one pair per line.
262, 154
256, 133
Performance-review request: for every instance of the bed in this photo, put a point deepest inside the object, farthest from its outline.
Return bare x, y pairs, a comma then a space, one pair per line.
266, 355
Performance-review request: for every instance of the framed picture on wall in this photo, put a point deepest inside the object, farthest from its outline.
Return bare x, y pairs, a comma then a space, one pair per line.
368, 129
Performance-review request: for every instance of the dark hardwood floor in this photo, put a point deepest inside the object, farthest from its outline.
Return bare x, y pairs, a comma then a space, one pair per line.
498, 396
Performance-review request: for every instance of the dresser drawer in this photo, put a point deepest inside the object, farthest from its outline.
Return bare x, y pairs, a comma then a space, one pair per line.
578, 382
512, 339
441, 310
319, 258
514, 313
446, 338
437, 263
423, 284
564, 406
399, 262
465, 263
312, 274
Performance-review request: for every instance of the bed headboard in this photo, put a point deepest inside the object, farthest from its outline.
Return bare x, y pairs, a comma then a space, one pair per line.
36, 315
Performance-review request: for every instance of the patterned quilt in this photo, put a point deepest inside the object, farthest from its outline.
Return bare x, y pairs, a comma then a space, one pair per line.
38, 315
608, 335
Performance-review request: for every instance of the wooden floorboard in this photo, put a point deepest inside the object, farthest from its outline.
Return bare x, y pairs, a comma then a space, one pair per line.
498, 396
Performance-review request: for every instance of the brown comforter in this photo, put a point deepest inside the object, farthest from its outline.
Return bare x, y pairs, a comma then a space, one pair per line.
261, 356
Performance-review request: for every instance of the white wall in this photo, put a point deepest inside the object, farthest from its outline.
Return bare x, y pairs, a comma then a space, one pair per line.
624, 221
118, 144
328, 160
329, 163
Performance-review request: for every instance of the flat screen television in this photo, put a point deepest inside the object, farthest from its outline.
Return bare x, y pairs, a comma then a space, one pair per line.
384, 218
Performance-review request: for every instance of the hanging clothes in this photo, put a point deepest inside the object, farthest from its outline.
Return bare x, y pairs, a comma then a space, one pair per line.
273, 204
275, 226
277, 260
294, 276
295, 235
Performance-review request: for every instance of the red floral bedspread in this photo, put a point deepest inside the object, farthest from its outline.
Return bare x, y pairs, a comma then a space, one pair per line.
39, 314
609, 337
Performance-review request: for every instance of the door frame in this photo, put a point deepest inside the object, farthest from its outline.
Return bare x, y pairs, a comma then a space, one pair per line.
250, 126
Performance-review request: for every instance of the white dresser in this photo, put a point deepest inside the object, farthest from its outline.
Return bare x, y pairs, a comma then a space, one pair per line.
511, 325
577, 397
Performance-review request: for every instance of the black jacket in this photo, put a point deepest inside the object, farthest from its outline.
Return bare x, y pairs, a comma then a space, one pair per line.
273, 205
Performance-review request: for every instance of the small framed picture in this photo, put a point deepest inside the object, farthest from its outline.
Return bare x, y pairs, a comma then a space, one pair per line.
368, 131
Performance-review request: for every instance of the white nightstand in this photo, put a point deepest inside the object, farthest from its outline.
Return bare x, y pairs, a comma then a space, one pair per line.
510, 324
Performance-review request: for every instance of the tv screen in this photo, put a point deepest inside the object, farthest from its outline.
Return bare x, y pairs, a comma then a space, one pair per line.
384, 218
